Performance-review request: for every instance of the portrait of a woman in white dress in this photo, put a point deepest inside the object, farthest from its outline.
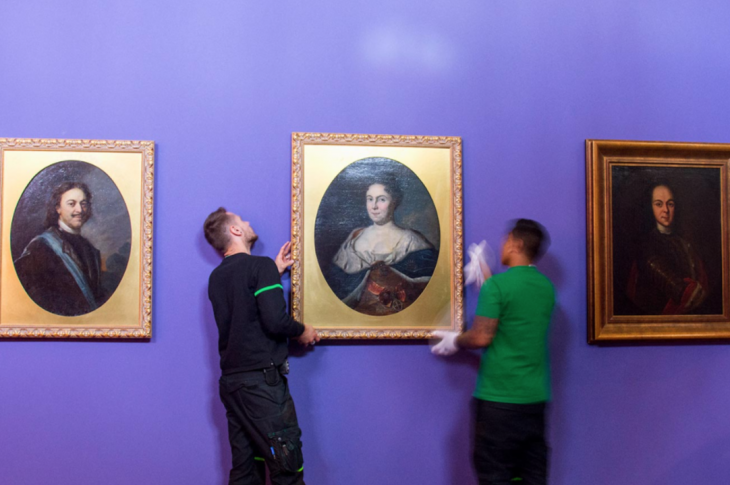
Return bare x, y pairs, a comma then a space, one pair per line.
382, 267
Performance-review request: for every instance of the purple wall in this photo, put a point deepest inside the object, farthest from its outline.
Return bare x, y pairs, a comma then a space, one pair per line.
221, 85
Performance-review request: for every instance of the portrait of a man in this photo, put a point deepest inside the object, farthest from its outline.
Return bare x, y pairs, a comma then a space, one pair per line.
667, 241
60, 266
377, 236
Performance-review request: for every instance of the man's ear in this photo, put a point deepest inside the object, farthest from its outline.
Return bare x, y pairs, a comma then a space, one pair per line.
235, 230
518, 245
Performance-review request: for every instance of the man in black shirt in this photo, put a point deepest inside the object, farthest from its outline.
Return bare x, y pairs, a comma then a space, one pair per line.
253, 327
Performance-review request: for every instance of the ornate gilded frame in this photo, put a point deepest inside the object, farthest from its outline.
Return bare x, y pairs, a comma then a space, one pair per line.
605, 161
128, 312
313, 154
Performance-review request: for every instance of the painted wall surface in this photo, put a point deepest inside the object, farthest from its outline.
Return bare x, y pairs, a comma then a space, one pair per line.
219, 86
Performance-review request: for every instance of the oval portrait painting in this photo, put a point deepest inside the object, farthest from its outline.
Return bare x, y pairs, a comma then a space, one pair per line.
70, 238
377, 236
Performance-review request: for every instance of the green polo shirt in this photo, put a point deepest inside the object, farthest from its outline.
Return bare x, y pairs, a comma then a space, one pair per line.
514, 368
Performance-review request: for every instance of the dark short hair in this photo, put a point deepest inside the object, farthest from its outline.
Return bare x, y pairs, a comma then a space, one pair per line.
659, 183
647, 210
392, 187
216, 229
535, 239
55, 200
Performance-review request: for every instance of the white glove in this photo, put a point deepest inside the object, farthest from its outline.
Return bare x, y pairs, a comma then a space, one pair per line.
477, 270
447, 346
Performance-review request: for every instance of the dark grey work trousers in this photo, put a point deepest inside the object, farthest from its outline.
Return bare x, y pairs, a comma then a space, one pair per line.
262, 428
510, 443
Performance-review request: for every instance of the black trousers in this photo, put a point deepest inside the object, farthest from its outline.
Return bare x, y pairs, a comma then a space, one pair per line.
262, 428
510, 443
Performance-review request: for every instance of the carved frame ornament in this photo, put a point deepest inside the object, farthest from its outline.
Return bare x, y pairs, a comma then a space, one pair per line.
129, 165
317, 159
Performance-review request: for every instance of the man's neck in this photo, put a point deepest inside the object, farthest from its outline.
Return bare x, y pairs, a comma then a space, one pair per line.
65, 228
519, 261
663, 229
526, 265
237, 248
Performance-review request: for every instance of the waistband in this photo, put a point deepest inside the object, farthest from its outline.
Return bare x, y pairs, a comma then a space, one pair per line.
537, 407
283, 369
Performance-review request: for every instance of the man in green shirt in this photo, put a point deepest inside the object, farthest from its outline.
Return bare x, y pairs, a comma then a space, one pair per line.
513, 386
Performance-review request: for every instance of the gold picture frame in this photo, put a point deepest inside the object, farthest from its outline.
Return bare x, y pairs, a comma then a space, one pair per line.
100, 247
402, 293
658, 241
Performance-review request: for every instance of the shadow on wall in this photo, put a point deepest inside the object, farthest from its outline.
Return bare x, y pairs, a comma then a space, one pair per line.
460, 377
559, 345
306, 400
558, 422
454, 384
462, 435
217, 411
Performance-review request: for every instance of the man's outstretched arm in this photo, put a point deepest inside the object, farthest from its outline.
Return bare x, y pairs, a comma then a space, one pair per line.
480, 335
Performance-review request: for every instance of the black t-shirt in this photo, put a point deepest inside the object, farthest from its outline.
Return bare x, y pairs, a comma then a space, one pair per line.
250, 311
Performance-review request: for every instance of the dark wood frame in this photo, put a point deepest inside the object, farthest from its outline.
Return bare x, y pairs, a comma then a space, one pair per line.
603, 325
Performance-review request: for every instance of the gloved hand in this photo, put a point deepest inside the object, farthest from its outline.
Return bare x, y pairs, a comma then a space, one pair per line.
447, 346
477, 269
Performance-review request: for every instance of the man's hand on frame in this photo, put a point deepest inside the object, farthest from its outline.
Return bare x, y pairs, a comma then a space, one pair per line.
283, 259
447, 346
309, 336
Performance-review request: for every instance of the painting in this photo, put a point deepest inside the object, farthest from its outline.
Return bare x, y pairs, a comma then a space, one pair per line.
657, 240
76, 239
376, 224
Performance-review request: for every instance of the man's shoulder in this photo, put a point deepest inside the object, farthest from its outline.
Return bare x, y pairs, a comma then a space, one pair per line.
36, 249
242, 262
61, 236
545, 290
519, 277
48, 233
42, 241
540, 278
261, 263
500, 278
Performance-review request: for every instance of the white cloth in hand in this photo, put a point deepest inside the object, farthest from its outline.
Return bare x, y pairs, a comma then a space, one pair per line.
447, 346
477, 270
